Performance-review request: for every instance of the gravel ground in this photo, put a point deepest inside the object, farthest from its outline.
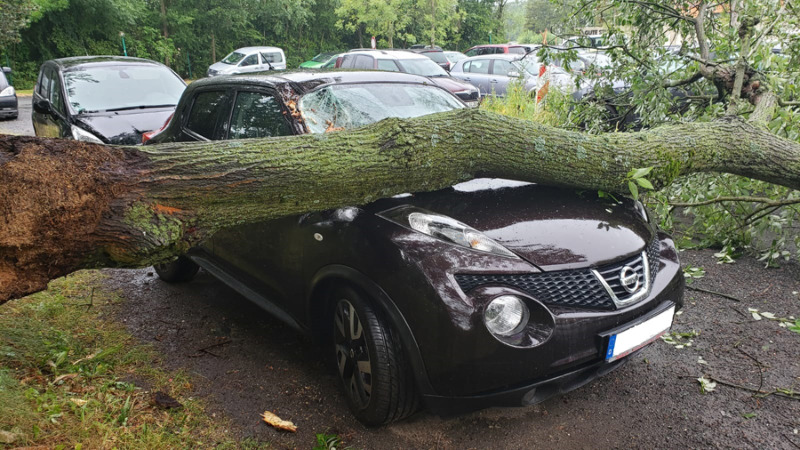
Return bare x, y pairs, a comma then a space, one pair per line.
22, 125
245, 362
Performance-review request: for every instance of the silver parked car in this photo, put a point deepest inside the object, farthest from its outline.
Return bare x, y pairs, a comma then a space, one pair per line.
492, 73
249, 59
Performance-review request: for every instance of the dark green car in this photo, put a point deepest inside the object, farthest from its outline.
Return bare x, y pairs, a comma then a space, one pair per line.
320, 60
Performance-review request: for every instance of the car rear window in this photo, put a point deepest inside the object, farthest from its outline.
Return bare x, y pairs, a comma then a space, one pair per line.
517, 50
436, 56
348, 106
206, 109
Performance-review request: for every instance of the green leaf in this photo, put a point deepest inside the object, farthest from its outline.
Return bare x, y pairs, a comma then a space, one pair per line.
749, 415
634, 189
643, 182
639, 173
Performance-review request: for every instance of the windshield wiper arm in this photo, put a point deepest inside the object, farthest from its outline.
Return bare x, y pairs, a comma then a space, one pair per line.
124, 108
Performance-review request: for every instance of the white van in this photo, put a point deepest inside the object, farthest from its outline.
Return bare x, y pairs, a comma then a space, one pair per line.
249, 59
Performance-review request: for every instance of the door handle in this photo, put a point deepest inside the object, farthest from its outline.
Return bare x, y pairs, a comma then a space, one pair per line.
493, 81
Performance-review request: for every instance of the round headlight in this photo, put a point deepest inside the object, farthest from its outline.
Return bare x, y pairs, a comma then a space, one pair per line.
506, 315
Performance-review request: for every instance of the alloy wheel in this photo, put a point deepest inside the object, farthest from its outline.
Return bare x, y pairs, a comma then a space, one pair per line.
352, 353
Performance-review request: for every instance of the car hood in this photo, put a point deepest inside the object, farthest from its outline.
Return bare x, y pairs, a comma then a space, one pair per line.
553, 228
124, 127
452, 84
221, 67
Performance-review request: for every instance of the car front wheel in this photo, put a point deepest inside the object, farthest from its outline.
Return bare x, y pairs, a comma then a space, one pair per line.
376, 377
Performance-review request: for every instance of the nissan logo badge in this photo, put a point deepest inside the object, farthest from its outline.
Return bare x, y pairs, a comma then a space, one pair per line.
629, 279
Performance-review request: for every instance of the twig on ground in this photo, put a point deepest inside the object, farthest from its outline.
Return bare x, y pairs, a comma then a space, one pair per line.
760, 366
764, 394
708, 291
206, 350
791, 441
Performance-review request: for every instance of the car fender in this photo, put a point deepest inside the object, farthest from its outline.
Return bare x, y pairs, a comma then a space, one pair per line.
385, 304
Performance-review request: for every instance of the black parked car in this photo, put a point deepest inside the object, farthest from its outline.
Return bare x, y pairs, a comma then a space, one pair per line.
491, 292
103, 99
8, 96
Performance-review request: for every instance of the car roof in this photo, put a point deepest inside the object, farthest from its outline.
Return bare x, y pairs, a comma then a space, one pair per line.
308, 80
506, 56
395, 54
103, 60
257, 49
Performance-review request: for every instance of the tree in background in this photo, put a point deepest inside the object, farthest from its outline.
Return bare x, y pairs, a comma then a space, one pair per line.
548, 15
384, 19
13, 18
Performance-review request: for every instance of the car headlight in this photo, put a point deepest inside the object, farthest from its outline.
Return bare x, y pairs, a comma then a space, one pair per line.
8, 92
506, 315
80, 134
446, 229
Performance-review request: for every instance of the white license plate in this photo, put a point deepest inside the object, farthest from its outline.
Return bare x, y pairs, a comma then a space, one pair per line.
628, 341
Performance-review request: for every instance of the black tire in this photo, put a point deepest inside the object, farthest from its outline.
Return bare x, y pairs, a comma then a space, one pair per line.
374, 371
182, 269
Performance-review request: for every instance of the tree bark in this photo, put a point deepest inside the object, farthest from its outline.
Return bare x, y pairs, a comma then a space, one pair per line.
67, 205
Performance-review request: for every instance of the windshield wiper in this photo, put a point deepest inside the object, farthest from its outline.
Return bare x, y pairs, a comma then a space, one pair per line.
125, 108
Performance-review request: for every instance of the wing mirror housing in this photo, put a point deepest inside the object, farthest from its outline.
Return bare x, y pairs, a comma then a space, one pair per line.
42, 106
6, 69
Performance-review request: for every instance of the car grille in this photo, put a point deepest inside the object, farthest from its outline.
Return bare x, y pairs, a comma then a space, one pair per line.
574, 288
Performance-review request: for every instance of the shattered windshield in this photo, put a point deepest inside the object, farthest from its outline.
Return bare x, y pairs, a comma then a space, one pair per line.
345, 106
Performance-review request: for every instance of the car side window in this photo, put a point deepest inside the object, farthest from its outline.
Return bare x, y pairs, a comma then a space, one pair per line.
251, 60
502, 67
388, 64
206, 109
257, 115
479, 66
347, 61
364, 62
273, 57
56, 99
44, 84
517, 50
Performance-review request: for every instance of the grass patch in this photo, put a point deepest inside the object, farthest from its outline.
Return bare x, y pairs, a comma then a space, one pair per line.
70, 378
553, 111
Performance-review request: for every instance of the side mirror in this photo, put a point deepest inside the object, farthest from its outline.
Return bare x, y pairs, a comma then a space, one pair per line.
6, 69
42, 106
514, 74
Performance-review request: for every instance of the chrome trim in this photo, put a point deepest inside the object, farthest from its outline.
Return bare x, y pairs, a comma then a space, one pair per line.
635, 297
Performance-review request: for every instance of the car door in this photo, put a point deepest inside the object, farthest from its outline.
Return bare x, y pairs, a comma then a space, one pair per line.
250, 63
49, 114
207, 116
476, 72
266, 255
500, 78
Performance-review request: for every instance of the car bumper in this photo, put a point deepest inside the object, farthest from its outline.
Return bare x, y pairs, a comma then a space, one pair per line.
8, 106
534, 392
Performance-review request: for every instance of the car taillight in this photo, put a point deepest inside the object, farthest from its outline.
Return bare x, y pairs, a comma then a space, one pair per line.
151, 134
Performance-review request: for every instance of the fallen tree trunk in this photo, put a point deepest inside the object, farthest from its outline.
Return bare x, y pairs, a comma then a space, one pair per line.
67, 205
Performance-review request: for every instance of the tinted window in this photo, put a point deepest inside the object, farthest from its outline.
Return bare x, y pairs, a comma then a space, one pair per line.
477, 66
347, 61
257, 115
251, 60
56, 98
364, 62
44, 83
206, 109
502, 67
388, 64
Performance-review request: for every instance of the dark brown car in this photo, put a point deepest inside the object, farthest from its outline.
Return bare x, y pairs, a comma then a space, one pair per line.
491, 292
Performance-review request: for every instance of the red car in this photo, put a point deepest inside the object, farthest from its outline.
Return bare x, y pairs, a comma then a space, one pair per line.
490, 49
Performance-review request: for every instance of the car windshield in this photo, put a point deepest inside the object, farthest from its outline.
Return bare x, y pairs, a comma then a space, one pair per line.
125, 86
454, 57
322, 57
234, 58
345, 106
424, 67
